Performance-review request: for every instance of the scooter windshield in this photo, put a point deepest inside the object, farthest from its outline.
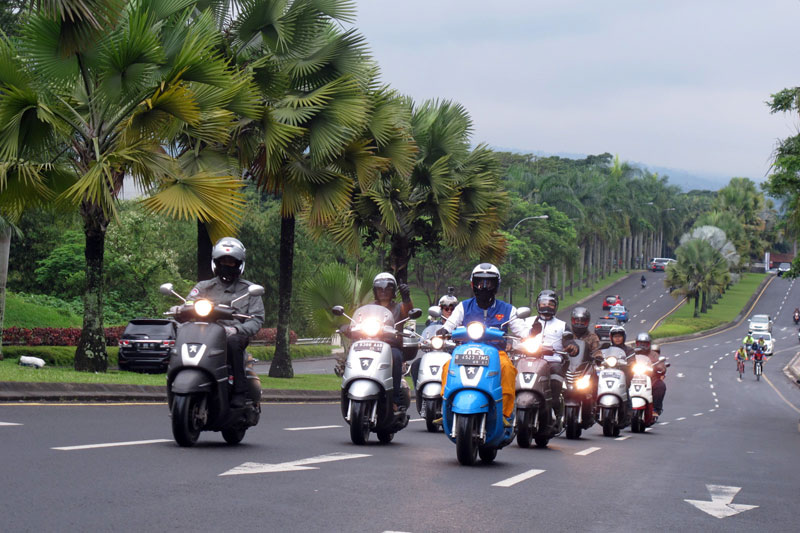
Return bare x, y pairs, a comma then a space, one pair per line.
430, 332
373, 312
618, 353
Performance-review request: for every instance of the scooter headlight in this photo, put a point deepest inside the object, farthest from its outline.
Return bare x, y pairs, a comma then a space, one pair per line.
475, 330
583, 383
203, 307
371, 326
639, 369
437, 343
611, 361
531, 344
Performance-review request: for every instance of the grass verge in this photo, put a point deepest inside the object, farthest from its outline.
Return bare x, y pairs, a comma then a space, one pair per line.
682, 321
22, 314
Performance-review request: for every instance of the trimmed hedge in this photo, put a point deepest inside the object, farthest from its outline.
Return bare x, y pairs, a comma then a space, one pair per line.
70, 336
266, 353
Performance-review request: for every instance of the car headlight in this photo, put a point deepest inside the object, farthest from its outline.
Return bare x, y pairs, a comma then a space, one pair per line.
639, 368
583, 383
531, 344
611, 361
475, 330
437, 343
203, 307
371, 326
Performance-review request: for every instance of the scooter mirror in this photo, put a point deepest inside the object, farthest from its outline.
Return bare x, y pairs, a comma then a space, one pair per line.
337, 310
255, 290
166, 288
662, 358
523, 312
598, 358
434, 311
415, 313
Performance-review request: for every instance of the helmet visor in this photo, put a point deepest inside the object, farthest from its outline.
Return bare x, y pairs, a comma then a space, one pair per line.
580, 322
484, 284
546, 306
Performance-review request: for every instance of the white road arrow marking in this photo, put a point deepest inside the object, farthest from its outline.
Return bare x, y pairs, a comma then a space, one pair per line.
300, 464
9, 424
517, 479
720, 505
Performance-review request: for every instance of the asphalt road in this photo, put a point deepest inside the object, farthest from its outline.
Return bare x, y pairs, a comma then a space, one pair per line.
730, 447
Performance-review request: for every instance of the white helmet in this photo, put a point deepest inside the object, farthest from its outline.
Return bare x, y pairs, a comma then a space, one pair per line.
228, 247
485, 270
448, 299
384, 280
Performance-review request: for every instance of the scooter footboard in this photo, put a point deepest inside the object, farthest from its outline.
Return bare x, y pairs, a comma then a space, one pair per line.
466, 402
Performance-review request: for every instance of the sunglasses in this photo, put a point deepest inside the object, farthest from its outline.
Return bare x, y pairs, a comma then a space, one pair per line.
448, 307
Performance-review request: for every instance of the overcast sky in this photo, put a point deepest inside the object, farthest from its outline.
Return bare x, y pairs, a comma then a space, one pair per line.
672, 83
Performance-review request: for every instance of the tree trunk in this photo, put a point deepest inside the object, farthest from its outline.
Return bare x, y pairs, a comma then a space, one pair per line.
5, 250
546, 281
563, 279
571, 280
281, 366
590, 266
399, 257
704, 304
204, 247
91, 356
696, 304
581, 263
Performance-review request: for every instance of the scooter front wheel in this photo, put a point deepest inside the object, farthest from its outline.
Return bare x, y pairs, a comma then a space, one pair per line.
609, 422
524, 428
359, 422
466, 439
573, 428
432, 412
188, 418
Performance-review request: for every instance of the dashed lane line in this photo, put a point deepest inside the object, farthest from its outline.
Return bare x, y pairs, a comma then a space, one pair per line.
109, 444
698, 414
587, 451
9, 424
518, 478
312, 427
626, 437
681, 418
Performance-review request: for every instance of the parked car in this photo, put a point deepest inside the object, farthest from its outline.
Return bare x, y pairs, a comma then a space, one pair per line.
783, 268
768, 340
660, 263
619, 312
603, 326
145, 345
609, 301
761, 323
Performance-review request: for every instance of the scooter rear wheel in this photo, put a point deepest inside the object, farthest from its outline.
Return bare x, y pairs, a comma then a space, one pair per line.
187, 418
385, 436
359, 422
466, 439
233, 436
487, 454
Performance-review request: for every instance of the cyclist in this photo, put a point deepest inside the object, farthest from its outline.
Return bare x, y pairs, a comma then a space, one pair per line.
741, 357
748, 341
758, 348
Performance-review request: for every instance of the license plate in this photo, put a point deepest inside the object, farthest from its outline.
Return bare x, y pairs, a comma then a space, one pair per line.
609, 375
372, 346
639, 381
146, 346
472, 359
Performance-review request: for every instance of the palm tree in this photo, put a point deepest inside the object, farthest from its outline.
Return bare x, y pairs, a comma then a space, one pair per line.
700, 270
324, 121
91, 94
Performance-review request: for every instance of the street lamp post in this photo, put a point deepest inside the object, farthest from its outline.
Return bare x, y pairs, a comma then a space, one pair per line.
537, 217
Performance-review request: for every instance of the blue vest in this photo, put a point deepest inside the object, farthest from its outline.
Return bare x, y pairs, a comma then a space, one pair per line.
498, 313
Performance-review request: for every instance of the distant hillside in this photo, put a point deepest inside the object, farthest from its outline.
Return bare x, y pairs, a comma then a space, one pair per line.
684, 179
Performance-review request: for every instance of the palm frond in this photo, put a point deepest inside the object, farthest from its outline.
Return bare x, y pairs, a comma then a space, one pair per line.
202, 196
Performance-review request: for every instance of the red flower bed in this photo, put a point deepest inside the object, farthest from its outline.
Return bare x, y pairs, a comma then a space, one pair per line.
54, 336
267, 336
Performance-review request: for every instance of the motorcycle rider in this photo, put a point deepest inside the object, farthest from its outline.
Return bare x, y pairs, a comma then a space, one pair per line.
579, 320
447, 303
385, 288
796, 315
486, 308
643, 280
227, 263
555, 334
644, 346
617, 336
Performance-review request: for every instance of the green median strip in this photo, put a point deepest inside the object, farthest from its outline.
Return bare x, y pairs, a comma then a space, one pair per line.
682, 321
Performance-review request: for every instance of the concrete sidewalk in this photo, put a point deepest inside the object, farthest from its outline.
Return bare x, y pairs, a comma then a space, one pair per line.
13, 391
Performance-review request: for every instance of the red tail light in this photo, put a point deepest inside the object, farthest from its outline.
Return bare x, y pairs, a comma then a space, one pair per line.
124, 342
168, 343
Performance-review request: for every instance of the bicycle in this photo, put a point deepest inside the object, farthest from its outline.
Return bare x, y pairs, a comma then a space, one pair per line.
740, 367
758, 368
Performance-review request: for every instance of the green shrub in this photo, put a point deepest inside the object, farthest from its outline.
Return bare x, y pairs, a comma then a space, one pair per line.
265, 353
62, 356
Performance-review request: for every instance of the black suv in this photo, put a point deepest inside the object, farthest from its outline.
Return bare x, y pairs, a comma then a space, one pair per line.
603, 327
145, 344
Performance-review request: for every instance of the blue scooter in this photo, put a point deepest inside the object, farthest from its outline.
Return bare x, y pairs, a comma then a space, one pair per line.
472, 410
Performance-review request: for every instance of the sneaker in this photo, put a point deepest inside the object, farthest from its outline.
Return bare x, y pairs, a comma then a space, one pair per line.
508, 421
437, 420
398, 409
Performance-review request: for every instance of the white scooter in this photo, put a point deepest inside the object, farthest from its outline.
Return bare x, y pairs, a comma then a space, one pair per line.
641, 392
435, 353
612, 392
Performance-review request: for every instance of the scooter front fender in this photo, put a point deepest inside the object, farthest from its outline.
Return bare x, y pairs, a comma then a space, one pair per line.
363, 389
526, 399
608, 400
191, 380
638, 403
432, 389
468, 401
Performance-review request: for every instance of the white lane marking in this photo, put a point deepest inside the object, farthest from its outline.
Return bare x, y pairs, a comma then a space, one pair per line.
680, 375
681, 418
727, 342
712, 386
646, 430
711, 410
300, 464
721, 505
416, 420
518, 478
587, 451
663, 423
712, 366
698, 414
311, 427
695, 349
709, 379
626, 437
687, 351
713, 394
9, 424
109, 444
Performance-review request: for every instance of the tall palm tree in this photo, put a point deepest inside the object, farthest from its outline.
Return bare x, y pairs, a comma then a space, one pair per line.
700, 269
324, 123
92, 93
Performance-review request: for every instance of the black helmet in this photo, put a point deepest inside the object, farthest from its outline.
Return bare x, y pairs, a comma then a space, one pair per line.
579, 319
384, 284
547, 304
643, 342
228, 247
617, 330
485, 280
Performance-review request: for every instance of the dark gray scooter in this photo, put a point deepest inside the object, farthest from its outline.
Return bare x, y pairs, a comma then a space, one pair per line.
199, 381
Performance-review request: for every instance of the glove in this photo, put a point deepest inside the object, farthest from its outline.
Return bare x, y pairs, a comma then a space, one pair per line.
572, 349
174, 309
230, 330
405, 292
536, 329
441, 332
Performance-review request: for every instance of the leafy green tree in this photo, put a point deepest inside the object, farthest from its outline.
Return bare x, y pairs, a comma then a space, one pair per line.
700, 270
90, 94
10, 12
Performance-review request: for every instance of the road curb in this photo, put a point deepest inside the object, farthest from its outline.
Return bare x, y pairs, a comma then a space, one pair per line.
792, 370
735, 322
13, 391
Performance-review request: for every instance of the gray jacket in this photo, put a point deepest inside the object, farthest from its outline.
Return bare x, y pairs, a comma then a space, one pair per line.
220, 293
